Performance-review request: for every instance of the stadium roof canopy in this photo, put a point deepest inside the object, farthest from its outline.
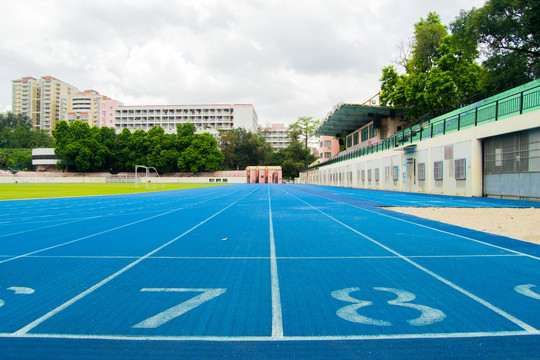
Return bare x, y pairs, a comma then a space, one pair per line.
346, 118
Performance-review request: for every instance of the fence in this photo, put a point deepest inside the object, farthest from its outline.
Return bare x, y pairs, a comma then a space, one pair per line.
473, 115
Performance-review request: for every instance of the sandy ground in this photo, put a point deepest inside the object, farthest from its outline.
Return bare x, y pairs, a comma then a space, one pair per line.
521, 224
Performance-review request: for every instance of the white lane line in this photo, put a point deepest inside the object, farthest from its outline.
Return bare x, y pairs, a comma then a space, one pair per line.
49, 226
70, 302
269, 338
258, 257
277, 317
432, 228
490, 306
106, 231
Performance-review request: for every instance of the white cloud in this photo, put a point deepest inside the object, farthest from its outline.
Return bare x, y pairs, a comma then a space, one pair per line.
288, 58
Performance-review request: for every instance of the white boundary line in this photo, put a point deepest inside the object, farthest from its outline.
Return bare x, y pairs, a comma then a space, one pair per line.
24, 330
269, 338
50, 226
490, 306
429, 227
109, 230
258, 257
277, 317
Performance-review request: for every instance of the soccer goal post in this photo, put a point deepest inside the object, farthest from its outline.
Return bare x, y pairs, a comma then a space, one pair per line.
151, 177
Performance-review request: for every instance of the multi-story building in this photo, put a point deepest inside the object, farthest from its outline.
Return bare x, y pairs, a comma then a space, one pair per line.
48, 100
107, 111
329, 147
206, 118
51, 91
26, 99
277, 135
40, 99
90, 107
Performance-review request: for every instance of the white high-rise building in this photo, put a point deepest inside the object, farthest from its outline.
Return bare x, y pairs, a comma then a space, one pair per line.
206, 118
277, 135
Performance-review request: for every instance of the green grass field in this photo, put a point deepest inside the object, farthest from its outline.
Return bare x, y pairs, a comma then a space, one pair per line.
36, 191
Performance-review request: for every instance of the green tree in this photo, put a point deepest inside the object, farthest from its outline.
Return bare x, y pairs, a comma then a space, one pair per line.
243, 148
12, 120
508, 32
201, 155
439, 76
305, 128
20, 159
295, 157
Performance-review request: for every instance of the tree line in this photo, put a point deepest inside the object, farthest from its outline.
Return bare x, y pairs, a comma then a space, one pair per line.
83, 148
482, 52
17, 140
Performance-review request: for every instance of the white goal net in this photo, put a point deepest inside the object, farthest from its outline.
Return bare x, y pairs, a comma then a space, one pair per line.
149, 176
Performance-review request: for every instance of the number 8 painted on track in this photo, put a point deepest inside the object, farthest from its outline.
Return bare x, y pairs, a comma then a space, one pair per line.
350, 312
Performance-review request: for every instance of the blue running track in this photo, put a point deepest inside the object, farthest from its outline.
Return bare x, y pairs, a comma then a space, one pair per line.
261, 272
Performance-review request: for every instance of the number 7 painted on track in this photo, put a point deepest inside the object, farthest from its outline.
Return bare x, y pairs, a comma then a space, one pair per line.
174, 312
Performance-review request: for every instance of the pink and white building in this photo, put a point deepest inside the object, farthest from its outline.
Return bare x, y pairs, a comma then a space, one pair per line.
329, 147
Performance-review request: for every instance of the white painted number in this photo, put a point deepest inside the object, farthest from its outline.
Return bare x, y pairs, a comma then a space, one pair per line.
350, 312
174, 312
526, 290
18, 290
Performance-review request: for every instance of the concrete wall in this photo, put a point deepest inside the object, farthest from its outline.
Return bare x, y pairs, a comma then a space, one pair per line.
99, 179
403, 161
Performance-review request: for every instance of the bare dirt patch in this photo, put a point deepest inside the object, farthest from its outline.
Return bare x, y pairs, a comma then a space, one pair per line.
517, 223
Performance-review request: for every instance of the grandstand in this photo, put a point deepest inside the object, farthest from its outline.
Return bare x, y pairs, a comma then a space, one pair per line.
489, 148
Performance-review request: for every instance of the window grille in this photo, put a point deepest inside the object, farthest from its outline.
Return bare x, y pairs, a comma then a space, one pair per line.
438, 170
460, 170
421, 171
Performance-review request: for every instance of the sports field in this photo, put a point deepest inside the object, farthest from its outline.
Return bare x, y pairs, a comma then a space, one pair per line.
261, 271
39, 191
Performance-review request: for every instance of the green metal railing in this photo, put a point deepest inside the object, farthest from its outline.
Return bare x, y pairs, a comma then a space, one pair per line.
476, 114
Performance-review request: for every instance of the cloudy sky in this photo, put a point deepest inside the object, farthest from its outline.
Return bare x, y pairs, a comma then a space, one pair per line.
289, 58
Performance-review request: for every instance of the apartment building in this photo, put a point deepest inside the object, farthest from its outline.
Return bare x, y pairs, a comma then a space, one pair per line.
39, 99
48, 100
26, 99
51, 91
88, 106
206, 118
329, 147
277, 135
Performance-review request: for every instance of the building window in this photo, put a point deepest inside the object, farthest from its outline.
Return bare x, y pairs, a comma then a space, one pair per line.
438, 170
395, 173
363, 175
421, 171
327, 143
349, 141
369, 175
372, 131
377, 174
355, 138
327, 155
460, 169
365, 134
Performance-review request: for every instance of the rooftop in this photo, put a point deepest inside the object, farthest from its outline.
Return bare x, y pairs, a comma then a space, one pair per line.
346, 118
